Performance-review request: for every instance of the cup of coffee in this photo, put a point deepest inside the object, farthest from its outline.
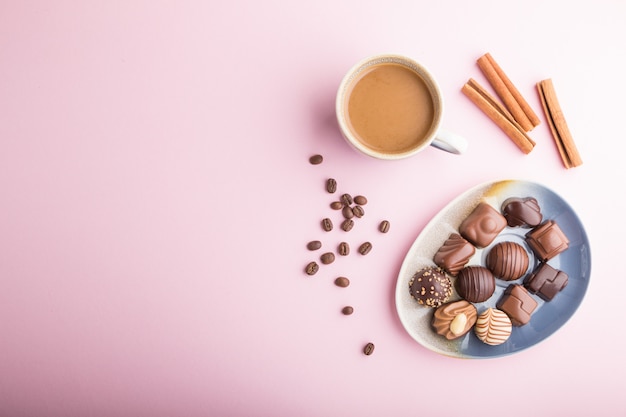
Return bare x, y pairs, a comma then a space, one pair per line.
390, 107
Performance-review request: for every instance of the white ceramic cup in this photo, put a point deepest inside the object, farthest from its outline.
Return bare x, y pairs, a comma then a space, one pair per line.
435, 136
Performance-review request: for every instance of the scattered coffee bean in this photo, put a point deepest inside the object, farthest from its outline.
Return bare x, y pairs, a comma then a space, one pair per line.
312, 268
369, 349
327, 258
314, 245
343, 249
347, 212
346, 199
358, 211
316, 159
347, 225
327, 224
365, 248
384, 226
342, 282
331, 185
360, 200
347, 310
336, 205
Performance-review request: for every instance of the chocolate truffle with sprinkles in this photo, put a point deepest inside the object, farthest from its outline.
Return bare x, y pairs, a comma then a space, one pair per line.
430, 287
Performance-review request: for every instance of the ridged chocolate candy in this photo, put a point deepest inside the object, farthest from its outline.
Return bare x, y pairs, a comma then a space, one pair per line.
454, 254
522, 212
493, 327
430, 287
475, 283
507, 261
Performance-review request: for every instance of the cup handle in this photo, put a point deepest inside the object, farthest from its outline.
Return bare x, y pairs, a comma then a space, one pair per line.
450, 142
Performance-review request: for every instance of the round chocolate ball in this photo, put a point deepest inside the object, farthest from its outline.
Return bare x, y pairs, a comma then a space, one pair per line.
475, 283
507, 260
430, 287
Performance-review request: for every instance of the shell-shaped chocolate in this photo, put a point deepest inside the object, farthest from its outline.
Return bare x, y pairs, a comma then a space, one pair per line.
493, 327
454, 254
475, 283
522, 212
507, 260
430, 287
453, 320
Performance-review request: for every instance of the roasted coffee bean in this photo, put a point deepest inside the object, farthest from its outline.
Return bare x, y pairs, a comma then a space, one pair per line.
347, 225
343, 249
312, 268
347, 310
347, 212
384, 226
358, 211
336, 205
365, 248
327, 258
331, 185
346, 199
327, 224
342, 282
360, 200
314, 245
369, 349
316, 159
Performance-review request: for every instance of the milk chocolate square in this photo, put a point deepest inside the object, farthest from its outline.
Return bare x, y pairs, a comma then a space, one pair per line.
518, 304
482, 225
547, 240
546, 281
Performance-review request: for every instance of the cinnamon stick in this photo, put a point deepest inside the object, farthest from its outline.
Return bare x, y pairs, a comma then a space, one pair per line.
508, 93
532, 116
558, 126
498, 114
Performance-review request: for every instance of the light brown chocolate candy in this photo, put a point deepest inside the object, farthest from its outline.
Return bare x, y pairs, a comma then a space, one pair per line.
453, 320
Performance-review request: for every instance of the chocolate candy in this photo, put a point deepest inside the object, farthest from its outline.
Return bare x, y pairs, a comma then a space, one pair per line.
453, 320
518, 304
475, 283
430, 287
482, 225
546, 281
493, 327
547, 240
507, 260
454, 254
522, 212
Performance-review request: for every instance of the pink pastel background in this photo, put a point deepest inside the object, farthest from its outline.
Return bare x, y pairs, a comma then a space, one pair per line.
156, 199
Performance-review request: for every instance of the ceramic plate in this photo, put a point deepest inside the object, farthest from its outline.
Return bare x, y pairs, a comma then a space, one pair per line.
548, 317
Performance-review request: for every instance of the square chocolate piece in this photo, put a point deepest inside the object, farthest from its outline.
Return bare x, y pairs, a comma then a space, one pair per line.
547, 240
482, 225
518, 304
546, 281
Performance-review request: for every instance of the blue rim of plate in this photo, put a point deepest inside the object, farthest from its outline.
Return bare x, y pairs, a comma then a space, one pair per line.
549, 315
